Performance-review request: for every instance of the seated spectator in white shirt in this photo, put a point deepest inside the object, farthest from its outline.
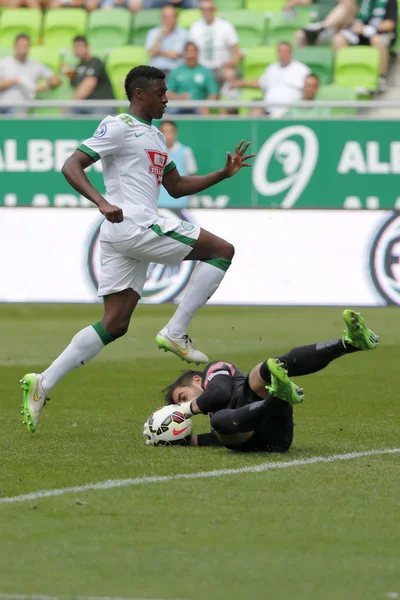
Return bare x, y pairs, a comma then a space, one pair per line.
21, 79
185, 161
165, 44
216, 39
136, 5
282, 82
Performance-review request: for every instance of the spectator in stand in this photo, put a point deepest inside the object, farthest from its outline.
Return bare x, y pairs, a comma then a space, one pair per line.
90, 80
282, 82
311, 87
216, 39
332, 15
375, 25
21, 79
185, 162
191, 81
136, 5
40, 4
67, 4
227, 91
165, 44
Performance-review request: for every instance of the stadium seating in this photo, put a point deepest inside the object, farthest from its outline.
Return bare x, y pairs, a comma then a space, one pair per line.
20, 20
142, 23
357, 67
281, 28
62, 92
256, 60
5, 52
319, 60
62, 25
187, 17
271, 6
249, 94
48, 56
119, 62
335, 93
109, 28
250, 26
228, 4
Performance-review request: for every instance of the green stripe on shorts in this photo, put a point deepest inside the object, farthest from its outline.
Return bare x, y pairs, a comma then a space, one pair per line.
89, 152
175, 236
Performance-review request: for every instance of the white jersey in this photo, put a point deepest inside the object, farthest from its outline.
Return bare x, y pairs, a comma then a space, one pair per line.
134, 157
214, 41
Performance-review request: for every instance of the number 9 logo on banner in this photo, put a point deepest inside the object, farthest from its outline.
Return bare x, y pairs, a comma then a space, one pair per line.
298, 163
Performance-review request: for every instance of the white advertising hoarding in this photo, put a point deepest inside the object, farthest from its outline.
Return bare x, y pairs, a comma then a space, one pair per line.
282, 257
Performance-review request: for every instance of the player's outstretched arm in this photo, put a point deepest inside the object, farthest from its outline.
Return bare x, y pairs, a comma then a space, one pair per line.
74, 172
178, 186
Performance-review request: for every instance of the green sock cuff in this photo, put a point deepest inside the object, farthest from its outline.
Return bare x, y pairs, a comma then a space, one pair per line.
219, 263
103, 334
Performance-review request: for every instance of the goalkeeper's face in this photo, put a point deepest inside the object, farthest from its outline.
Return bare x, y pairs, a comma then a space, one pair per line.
187, 393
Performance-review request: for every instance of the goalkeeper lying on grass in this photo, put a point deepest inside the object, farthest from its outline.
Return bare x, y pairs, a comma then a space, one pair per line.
255, 412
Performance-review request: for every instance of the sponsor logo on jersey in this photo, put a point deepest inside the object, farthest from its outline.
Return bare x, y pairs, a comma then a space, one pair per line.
100, 131
286, 163
158, 160
384, 260
164, 283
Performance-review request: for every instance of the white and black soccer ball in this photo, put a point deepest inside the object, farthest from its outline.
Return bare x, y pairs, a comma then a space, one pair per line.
167, 426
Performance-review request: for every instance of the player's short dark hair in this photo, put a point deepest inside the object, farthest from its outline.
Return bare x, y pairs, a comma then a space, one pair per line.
184, 379
313, 75
169, 123
141, 77
80, 38
22, 36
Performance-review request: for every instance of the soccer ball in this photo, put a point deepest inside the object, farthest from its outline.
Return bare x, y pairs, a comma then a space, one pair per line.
167, 426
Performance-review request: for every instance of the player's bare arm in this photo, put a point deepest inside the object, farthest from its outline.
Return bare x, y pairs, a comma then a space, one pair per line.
178, 186
74, 172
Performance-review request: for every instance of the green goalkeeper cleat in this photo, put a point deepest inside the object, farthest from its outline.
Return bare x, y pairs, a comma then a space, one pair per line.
356, 333
281, 386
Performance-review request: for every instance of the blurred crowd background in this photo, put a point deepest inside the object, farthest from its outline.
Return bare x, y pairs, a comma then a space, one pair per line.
281, 51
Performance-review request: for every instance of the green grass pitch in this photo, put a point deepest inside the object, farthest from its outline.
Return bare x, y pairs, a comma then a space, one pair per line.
312, 532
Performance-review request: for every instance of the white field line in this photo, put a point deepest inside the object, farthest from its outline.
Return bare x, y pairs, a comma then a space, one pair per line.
44, 597
116, 483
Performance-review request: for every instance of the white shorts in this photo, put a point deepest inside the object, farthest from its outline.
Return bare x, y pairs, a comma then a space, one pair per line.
124, 262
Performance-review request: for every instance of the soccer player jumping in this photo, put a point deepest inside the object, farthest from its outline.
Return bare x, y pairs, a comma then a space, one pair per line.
135, 163
255, 412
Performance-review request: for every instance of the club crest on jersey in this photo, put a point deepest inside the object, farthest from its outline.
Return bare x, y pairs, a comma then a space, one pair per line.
158, 160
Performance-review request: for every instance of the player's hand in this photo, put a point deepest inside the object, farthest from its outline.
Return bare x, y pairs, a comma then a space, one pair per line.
238, 160
111, 212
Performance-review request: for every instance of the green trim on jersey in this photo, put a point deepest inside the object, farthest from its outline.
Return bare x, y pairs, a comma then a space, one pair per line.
89, 152
139, 119
219, 263
174, 235
102, 332
169, 167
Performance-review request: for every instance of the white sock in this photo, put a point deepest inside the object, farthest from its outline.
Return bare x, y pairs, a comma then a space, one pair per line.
203, 283
85, 345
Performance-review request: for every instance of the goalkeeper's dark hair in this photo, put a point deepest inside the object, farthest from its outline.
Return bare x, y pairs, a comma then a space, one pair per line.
141, 77
184, 379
